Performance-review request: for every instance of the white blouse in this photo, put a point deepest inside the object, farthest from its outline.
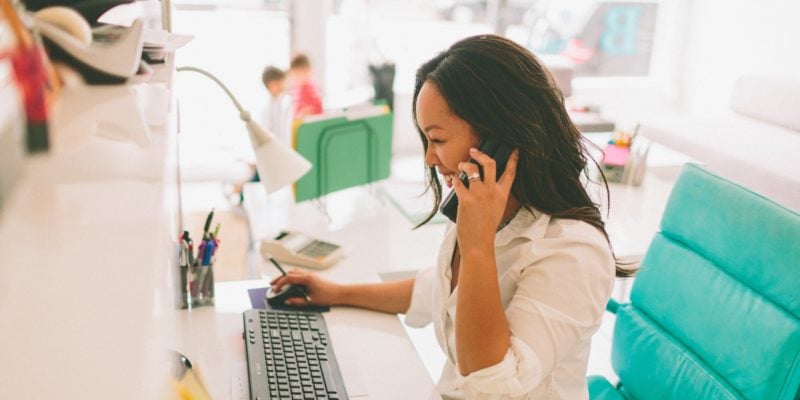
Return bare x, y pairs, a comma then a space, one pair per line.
555, 277
277, 117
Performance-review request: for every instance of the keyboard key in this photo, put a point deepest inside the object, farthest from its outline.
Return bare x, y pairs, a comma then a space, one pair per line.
330, 383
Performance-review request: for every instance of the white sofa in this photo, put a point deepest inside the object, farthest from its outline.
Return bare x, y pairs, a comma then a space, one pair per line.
757, 144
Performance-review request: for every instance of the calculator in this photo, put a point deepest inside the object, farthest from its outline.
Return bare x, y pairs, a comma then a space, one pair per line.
297, 248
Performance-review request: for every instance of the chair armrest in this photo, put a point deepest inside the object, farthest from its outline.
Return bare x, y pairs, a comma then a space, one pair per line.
612, 306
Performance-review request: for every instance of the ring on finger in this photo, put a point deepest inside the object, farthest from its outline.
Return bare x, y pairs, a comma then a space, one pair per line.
475, 176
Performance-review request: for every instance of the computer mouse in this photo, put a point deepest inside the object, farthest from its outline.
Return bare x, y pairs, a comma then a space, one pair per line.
287, 291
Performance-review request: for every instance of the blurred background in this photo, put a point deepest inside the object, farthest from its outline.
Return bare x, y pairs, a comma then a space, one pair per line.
627, 58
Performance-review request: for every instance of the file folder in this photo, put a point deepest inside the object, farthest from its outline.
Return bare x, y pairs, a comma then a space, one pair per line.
349, 149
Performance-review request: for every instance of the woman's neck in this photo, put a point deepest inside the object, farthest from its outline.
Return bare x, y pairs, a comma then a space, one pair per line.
512, 207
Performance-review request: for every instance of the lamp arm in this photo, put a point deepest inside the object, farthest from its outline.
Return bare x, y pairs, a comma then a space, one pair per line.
277, 164
243, 114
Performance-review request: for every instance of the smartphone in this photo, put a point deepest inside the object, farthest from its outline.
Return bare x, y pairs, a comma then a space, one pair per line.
495, 149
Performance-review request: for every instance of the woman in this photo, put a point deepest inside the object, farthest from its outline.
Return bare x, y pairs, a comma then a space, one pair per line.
524, 274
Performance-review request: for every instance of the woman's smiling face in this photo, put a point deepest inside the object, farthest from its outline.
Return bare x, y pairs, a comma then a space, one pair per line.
449, 137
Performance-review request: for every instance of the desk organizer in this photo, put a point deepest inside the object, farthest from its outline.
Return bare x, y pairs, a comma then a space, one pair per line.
625, 159
197, 285
197, 272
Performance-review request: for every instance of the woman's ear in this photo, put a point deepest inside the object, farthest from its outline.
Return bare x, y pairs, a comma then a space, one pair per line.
68, 20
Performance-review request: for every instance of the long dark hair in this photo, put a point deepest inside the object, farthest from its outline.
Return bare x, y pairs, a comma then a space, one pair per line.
502, 91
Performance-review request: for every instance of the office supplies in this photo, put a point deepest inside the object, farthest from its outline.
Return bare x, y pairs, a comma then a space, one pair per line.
349, 149
186, 380
625, 158
274, 298
115, 61
197, 272
258, 302
289, 355
34, 76
207, 225
297, 248
286, 292
495, 149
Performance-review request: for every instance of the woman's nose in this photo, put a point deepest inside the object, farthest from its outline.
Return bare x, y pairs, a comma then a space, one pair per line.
430, 158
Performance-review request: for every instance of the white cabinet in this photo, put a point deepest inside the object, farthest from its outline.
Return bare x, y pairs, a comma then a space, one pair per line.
88, 250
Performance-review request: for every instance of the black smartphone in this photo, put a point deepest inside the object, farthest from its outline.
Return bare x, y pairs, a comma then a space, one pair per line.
495, 149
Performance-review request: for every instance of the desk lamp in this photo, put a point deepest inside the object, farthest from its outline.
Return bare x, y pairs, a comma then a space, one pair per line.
278, 165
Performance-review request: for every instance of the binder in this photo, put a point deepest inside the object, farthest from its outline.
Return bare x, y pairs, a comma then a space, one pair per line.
346, 150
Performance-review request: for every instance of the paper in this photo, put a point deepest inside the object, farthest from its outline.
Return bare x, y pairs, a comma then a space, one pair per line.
615, 155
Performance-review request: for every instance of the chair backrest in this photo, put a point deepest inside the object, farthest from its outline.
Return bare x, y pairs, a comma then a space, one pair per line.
715, 309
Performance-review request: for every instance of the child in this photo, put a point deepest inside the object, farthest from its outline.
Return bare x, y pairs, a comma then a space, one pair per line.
277, 115
277, 118
306, 95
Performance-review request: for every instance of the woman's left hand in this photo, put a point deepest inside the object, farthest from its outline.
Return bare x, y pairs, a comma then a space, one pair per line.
482, 205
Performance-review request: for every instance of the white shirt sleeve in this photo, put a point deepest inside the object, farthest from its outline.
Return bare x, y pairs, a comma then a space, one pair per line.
558, 303
512, 378
420, 312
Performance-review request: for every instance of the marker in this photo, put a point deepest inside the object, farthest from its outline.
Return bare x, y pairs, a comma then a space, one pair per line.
208, 251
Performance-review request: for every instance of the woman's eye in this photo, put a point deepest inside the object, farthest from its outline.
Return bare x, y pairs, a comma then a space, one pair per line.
436, 141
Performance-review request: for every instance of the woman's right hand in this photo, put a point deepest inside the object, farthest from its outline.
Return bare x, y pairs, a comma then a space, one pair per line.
321, 291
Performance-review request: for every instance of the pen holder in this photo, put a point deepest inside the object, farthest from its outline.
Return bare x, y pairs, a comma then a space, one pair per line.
197, 285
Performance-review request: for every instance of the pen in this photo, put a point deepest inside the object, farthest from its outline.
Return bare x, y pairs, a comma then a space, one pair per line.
207, 275
208, 251
302, 288
190, 244
208, 224
201, 251
275, 263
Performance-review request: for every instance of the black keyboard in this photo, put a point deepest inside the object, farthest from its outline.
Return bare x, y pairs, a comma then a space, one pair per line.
289, 356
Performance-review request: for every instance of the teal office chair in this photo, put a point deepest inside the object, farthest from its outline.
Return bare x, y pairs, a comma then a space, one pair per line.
715, 309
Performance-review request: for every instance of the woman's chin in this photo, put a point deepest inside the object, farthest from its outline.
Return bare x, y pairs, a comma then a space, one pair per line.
448, 180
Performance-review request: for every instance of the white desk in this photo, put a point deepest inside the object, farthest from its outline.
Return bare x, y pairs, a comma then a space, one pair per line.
376, 238
377, 359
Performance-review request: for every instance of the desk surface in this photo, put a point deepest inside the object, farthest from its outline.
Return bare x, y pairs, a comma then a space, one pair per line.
376, 358
378, 241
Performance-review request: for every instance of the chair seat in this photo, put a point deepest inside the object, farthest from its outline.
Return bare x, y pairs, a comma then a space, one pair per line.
601, 389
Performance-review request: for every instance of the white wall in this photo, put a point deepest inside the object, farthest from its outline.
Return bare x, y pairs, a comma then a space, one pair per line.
728, 38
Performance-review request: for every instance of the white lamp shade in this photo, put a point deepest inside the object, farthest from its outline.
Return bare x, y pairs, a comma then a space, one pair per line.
278, 164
